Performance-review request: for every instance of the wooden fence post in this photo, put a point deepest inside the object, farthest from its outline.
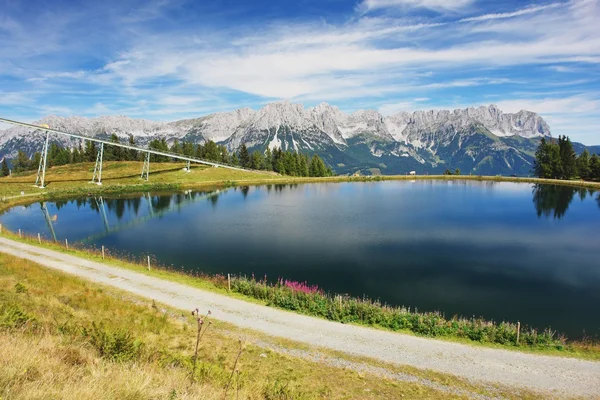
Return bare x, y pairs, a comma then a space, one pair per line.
148, 263
39, 239
0, 228
67, 244
518, 331
19, 232
103, 252
228, 282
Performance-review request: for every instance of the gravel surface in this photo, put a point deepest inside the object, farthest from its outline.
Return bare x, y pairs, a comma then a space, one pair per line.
555, 376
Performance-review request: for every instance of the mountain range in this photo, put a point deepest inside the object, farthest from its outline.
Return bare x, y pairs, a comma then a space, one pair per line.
482, 140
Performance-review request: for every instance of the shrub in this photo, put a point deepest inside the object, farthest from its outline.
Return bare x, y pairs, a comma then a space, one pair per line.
114, 345
11, 317
311, 300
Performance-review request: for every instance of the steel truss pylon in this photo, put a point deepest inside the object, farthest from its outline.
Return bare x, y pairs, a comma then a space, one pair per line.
146, 167
97, 177
41, 175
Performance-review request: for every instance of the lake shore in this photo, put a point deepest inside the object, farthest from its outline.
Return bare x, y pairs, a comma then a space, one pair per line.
537, 373
123, 177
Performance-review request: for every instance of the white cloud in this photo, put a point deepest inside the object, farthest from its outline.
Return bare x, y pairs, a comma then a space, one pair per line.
557, 105
451, 5
518, 13
14, 98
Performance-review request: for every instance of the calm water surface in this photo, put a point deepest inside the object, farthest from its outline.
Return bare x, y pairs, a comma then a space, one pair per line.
499, 250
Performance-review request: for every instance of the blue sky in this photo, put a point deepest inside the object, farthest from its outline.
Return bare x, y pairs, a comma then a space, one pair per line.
172, 59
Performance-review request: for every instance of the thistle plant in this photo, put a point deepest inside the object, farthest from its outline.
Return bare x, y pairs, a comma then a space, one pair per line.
200, 321
234, 369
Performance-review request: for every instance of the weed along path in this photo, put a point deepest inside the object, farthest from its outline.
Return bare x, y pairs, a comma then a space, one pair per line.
552, 375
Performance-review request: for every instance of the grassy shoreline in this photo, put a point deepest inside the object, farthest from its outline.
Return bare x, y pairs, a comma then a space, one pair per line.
63, 337
120, 179
356, 311
123, 178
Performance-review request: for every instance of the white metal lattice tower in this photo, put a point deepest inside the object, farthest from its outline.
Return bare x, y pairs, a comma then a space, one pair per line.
97, 178
146, 167
41, 175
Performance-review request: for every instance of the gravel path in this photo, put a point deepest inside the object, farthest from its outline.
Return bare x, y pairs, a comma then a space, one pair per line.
552, 375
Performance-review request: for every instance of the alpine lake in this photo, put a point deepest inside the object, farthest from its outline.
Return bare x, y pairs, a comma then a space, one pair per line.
502, 251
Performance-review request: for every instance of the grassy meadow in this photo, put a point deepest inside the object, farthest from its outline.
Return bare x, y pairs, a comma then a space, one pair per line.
61, 337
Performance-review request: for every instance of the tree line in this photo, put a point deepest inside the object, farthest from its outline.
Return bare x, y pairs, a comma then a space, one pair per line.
557, 160
283, 162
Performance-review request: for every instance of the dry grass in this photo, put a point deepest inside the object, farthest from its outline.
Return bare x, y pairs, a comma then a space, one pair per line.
50, 356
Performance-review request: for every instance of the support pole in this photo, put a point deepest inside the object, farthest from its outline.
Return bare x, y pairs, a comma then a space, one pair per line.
148, 263
103, 252
41, 175
67, 244
97, 177
146, 167
39, 239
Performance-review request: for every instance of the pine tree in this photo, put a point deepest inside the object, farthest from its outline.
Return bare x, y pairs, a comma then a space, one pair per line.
457, 171
555, 161
223, 154
132, 155
257, 160
567, 157
583, 165
595, 167
37, 157
22, 163
176, 147
268, 160
244, 156
188, 149
113, 153
541, 164
234, 159
90, 151
304, 165
317, 167
5, 170
548, 161
200, 151
211, 151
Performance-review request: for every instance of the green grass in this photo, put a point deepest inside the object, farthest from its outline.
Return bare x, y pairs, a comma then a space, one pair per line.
357, 311
122, 177
62, 337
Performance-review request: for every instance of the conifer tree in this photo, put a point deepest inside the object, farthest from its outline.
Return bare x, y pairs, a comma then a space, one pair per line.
583, 165
567, 157
268, 160
22, 162
5, 170
132, 155
595, 167
188, 149
90, 151
317, 167
257, 160
244, 156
